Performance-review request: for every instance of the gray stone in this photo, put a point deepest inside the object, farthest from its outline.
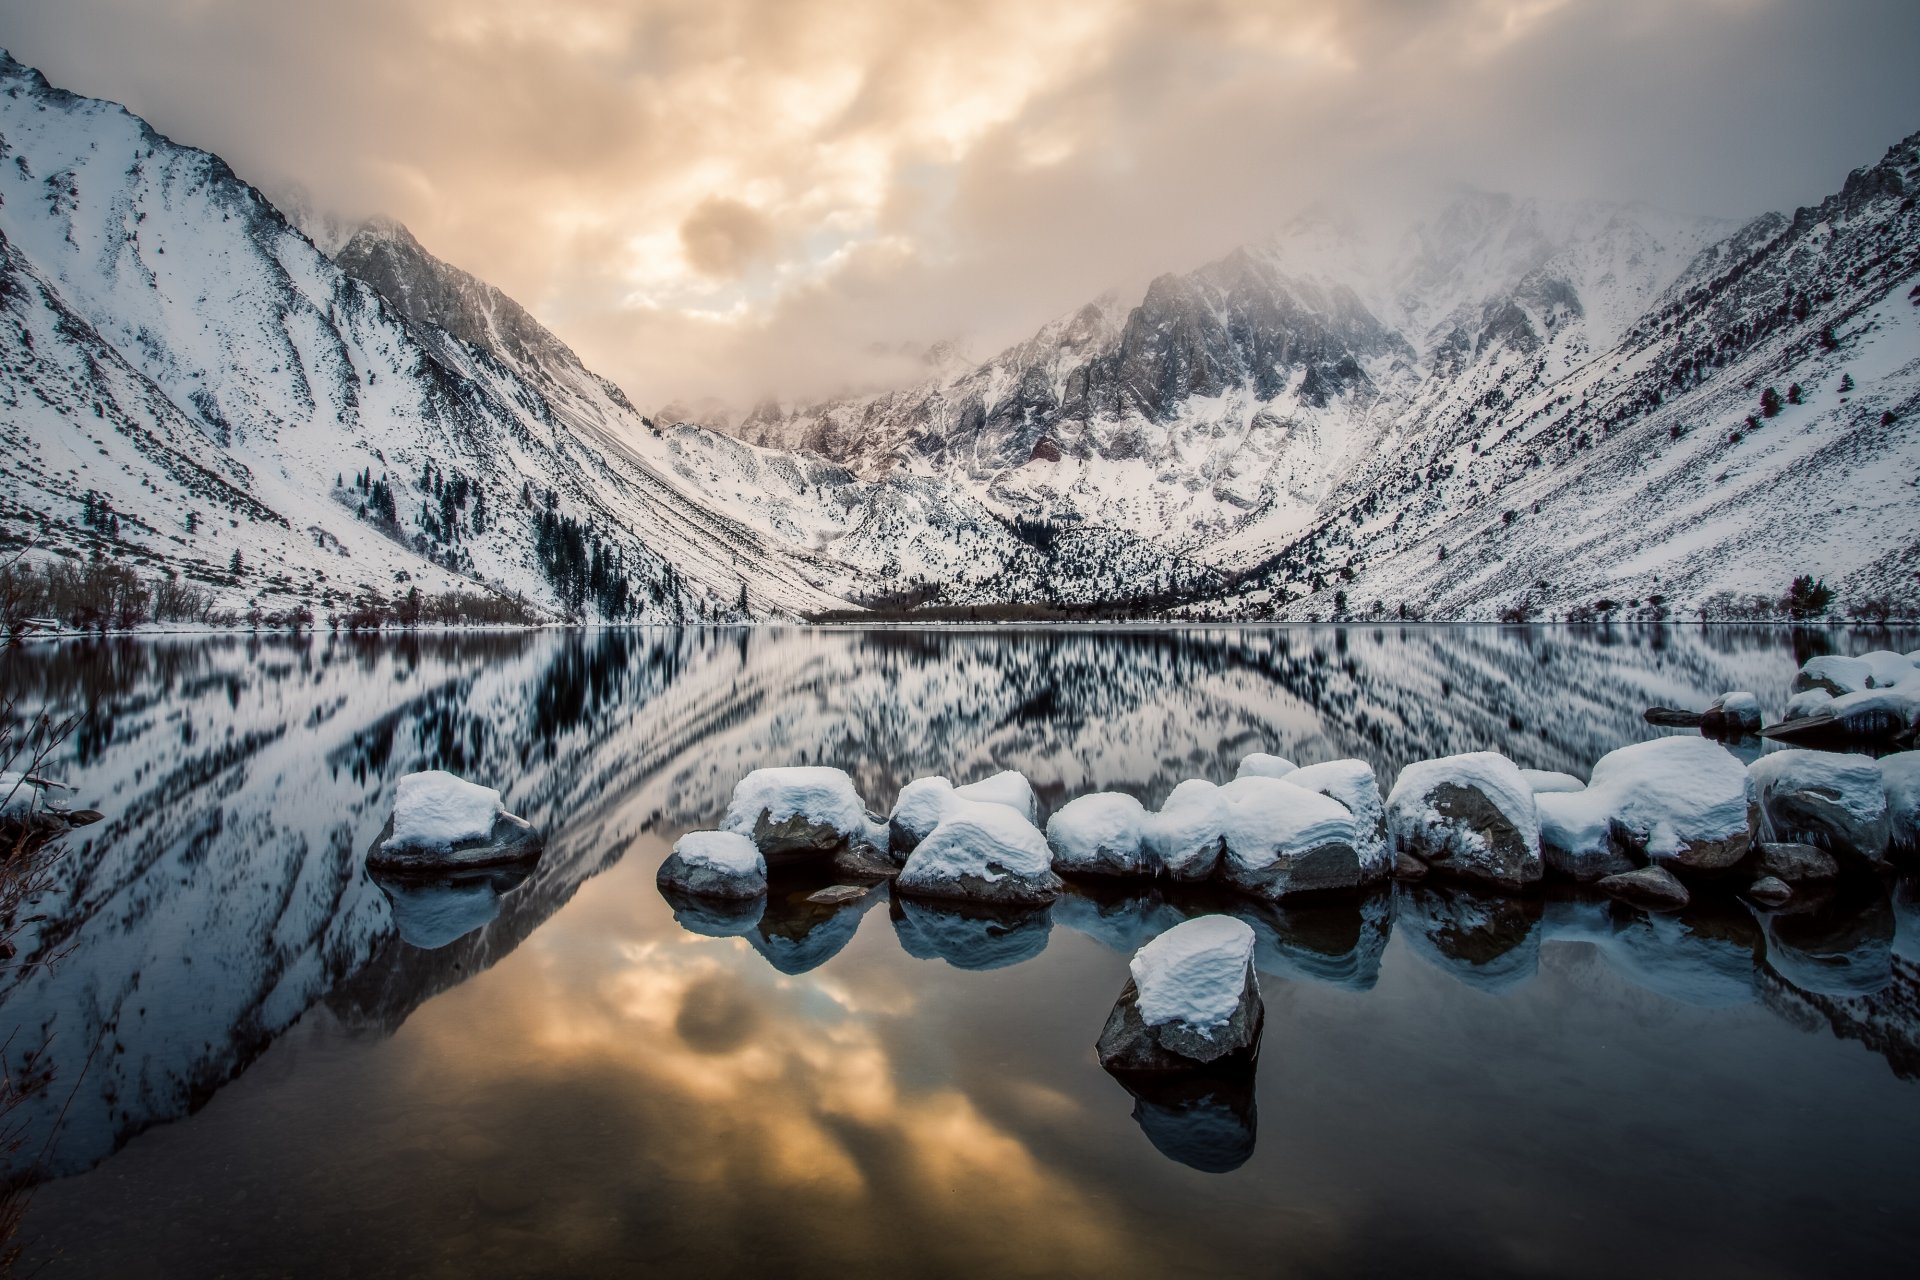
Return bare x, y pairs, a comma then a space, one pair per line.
1408, 867
839, 893
1769, 891
1672, 717
1796, 863
1835, 801
1128, 1044
1653, 887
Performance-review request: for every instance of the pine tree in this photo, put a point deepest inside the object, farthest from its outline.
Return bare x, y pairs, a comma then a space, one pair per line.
235, 566
1769, 403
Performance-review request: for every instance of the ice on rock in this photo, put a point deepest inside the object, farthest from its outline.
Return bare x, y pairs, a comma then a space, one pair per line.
1679, 801
1184, 838
1831, 800
1262, 765
1547, 782
1352, 783
1900, 778
1470, 816
1192, 1000
801, 811
715, 864
437, 810
1282, 840
1100, 834
1006, 787
982, 852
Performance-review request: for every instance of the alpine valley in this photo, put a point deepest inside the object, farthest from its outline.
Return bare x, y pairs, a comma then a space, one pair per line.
1512, 407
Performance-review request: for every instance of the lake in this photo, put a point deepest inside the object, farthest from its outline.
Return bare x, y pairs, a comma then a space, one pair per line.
265, 1063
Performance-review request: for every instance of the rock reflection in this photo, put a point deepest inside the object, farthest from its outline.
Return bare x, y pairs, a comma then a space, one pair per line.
436, 911
1205, 1120
1839, 943
1487, 941
971, 936
797, 934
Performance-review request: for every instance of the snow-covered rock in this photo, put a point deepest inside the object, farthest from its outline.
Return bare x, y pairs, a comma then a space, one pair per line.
1184, 838
1100, 834
982, 853
916, 812
1192, 1000
1835, 801
715, 864
1900, 778
1731, 714
1654, 887
1353, 784
803, 811
1887, 668
1283, 840
19, 799
1835, 674
1681, 802
1876, 714
1549, 782
1262, 765
444, 822
1470, 816
1007, 788
1807, 702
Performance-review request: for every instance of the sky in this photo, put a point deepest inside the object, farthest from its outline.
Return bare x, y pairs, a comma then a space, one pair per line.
741, 198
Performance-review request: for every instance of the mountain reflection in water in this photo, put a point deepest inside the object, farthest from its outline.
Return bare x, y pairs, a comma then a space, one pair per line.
569, 1072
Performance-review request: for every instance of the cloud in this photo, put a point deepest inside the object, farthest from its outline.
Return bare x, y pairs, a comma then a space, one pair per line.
737, 197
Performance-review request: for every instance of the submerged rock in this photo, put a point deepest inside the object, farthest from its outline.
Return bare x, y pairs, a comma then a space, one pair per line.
1470, 816
1654, 887
801, 813
1770, 891
714, 864
982, 853
1100, 834
1835, 801
1192, 1001
443, 823
834, 895
1282, 840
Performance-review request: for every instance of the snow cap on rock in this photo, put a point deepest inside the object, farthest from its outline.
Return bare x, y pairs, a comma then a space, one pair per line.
437, 810
1194, 973
1262, 765
1099, 834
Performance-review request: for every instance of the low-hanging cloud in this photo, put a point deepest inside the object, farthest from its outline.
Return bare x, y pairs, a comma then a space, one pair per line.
743, 197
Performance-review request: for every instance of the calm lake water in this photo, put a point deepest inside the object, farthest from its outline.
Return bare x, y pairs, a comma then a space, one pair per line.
270, 1065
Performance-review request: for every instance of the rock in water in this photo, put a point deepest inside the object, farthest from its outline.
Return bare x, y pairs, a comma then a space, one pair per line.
1834, 674
1673, 717
1731, 715
715, 864
1900, 778
1470, 816
1006, 788
1796, 863
1351, 782
1408, 867
444, 823
1184, 839
1100, 835
1834, 801
804, 812
1654, 887
1769, 891
982, 853
924, 801
1283, 840
1681, 802
1192, 1001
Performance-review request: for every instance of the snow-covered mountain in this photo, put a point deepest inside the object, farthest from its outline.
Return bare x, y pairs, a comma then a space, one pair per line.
1553, 395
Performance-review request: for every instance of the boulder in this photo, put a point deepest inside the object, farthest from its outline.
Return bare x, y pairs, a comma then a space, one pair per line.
1408, 867
1900, 779
801, 813
1888, 714
1834, 674
714, 864
1006, 787
1795, 863
1192, 1001
1100, 835
442, 823
1262, 765
1470, 816
1681, 802
1835, 801
1185, 837
1731, 715
1282, 840
839, 894
1352, 783
1770, 891
982, 853
1546, 782
1653, 887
